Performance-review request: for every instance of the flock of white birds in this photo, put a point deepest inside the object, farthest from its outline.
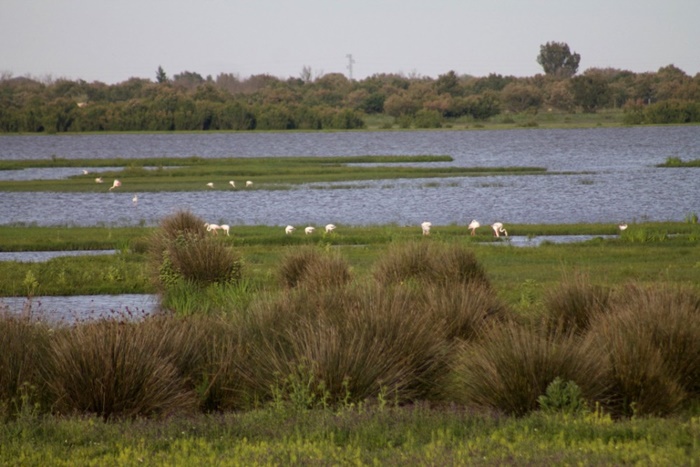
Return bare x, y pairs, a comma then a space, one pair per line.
497, 227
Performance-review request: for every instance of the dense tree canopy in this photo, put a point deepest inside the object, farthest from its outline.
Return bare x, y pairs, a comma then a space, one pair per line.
188, 101
557, 60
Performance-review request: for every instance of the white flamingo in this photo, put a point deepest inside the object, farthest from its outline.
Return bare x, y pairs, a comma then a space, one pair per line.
248, 183
473, 225
213, 228
135, 200
498, 229
426, 227
98, 180
309, 230
289, 229
210, 185
225, 228
232, 183
85, 172
622, 227
115, 184
330, 228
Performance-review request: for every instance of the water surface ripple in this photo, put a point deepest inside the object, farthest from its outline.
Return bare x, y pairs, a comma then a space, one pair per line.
613, 178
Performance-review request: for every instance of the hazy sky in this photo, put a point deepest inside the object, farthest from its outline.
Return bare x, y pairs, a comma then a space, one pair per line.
113, 40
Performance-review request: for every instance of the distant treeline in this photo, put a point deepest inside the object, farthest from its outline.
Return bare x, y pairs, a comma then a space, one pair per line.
188, 101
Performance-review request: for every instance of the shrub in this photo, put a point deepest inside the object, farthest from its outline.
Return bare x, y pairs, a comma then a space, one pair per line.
562, 396
116, 369
572, 305
511, 365
311, 268
181, 250
23, 343
429, 262
352, 343
204, 260
464, 310
652, 339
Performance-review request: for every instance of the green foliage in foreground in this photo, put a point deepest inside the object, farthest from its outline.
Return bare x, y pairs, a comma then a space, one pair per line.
364, 435
270, 173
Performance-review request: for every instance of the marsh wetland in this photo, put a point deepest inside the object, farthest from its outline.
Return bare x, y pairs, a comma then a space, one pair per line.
371, 344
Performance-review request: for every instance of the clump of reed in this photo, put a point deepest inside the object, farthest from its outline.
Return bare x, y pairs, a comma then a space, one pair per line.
23, 343
574, 303
651, 338
121, 369
429, 262
182, 250
310, 267
511, 365
355, 342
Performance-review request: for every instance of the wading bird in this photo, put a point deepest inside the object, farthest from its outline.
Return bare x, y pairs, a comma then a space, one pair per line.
426, 228
116, 184
85, 172
330, 228
210, 185
232, 183
622, 227
309, 230
289, 229
248, 183
498, 229
473, 225
225, 228
98, 180
214, 228
135, 200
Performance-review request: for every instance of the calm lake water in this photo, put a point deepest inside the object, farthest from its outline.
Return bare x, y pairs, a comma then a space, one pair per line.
612, 178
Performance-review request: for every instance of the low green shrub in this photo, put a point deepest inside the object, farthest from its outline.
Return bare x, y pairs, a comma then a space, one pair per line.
562, 397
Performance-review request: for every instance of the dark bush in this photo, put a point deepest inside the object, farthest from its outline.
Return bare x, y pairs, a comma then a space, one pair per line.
429, 262
23, 345
117, 369
310, 267
652, 340
512, 365
573, 304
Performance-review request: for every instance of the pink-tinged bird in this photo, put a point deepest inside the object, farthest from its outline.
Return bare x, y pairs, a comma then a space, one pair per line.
498, 229
426, 228
213, 228
473, 225
116, 184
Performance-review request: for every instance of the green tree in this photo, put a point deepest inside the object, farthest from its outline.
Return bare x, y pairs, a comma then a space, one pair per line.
557, 60
161, 77
590, 91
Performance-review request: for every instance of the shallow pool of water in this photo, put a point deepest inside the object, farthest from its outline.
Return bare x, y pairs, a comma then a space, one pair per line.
527, 241
41, 256
79, 308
